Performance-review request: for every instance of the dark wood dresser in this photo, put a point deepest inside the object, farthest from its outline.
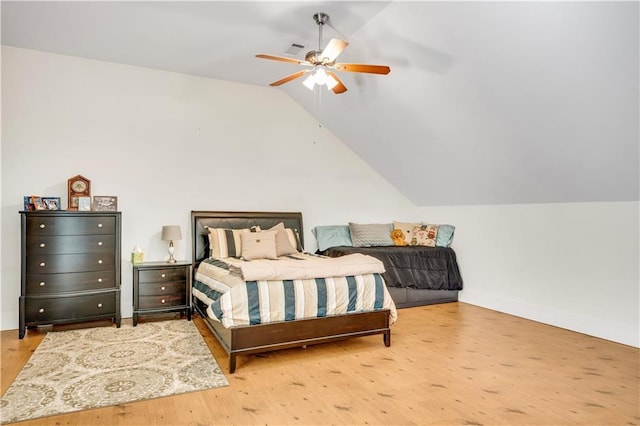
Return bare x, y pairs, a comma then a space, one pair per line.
160, 287
70, 267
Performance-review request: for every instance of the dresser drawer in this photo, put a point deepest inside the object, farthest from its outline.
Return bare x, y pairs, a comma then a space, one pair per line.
49, 309
153, 289
73, 225
70, 244
161, 301
162, 275
38, 284
60, 263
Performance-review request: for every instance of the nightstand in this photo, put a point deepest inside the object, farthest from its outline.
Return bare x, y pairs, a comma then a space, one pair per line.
160, 287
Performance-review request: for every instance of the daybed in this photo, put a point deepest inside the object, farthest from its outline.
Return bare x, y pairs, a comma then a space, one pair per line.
415, 275
370, 307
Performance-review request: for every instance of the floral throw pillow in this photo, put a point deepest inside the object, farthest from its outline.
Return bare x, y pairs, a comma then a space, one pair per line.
424, 235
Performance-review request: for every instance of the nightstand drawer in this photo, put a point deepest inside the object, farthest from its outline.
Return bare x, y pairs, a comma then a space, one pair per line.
39, 284
60, 263
162, 275
51, 309
162, 301
72, 225
152, 289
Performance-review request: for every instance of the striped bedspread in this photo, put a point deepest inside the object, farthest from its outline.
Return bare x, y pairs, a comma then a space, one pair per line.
235, 302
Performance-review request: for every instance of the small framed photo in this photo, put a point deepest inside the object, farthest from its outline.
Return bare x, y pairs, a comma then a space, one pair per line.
37, 202
84, 204
51, 203
105, 203
28, 205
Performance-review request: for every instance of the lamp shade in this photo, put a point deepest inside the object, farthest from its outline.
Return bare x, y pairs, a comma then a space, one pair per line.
171, 233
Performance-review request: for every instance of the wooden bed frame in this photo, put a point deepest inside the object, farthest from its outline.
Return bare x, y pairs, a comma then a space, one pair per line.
244, 340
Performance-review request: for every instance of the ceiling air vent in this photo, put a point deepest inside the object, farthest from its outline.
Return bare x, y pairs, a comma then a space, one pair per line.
294, 49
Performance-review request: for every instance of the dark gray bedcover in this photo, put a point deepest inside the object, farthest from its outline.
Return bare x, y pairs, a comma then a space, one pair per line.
431, 268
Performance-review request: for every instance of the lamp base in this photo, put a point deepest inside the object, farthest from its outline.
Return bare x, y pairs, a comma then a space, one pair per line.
171, 250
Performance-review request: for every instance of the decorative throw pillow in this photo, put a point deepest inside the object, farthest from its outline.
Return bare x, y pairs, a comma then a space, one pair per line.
332, 236
225, 242
371, 235
259, 245
425, 235
284, 243
445, 235
407, 229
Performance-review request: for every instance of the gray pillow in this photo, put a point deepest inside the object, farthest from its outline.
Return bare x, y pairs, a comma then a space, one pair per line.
371, 234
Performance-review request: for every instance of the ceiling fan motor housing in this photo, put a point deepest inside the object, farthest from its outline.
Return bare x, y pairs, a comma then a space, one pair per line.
315, 57
321, 18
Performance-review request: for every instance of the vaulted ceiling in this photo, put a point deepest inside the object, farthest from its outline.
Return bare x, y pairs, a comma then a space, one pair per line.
486, 103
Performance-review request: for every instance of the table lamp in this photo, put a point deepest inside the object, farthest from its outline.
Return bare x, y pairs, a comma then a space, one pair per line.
171, 233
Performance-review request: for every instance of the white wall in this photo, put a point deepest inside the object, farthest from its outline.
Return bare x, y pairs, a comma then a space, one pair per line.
166, 144
570, 265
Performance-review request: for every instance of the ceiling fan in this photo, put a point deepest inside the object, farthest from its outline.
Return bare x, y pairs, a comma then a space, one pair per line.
323, 62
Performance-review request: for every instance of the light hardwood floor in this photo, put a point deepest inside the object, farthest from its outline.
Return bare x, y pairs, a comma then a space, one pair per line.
450, 364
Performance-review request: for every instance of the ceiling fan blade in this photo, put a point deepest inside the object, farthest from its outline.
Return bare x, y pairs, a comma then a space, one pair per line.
289, 78
333, 49
282, 59
372, 69
338, 88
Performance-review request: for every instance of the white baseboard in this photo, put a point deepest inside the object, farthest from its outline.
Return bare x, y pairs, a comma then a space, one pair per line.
627, 334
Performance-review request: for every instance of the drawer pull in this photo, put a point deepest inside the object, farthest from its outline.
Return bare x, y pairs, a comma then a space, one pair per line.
42, 284
41, 310
162, 301
42, 226
99, 225
43, 264
99, 261
42, 245
163, 288
99, 305
163, 275
99, 280
99, 243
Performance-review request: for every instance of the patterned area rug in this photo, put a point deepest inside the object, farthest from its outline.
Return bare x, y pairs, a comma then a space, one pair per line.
96, 367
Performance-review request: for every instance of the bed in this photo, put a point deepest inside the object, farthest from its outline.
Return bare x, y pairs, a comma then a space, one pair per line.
415, 276
262, 336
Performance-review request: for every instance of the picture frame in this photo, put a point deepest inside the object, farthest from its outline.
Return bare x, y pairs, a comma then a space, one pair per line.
84, 204
51, 203
36, 200
105, 203
28, 205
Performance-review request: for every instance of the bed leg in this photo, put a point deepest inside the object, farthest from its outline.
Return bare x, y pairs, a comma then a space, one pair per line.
232, 363
387, 338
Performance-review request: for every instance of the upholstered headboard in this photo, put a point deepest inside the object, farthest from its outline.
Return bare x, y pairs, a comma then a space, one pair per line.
236, 220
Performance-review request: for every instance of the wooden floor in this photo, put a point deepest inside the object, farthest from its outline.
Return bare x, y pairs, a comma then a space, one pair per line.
450, 364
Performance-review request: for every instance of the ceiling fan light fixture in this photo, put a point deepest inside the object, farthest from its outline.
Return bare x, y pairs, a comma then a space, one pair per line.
331, 82
319, 77
310, 82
